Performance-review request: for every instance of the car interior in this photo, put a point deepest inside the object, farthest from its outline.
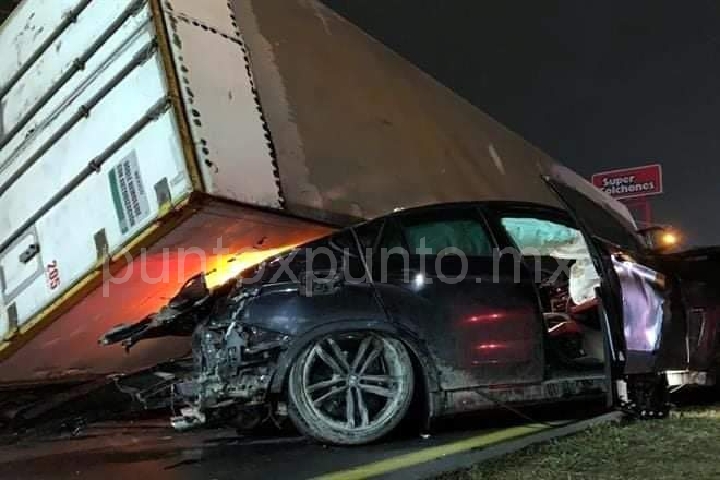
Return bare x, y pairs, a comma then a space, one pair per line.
558, 256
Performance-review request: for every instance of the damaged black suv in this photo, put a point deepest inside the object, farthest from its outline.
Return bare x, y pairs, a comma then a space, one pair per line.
448, 308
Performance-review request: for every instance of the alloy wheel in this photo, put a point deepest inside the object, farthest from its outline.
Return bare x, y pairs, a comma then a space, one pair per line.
356, 383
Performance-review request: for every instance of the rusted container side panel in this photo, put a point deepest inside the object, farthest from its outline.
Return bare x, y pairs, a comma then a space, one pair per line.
359, 130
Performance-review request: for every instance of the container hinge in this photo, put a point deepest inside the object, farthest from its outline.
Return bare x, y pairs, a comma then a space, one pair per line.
12, 322
30, 252
164, 197
102, 247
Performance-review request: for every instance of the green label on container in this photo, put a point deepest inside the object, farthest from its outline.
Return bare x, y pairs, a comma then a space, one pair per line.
128, 193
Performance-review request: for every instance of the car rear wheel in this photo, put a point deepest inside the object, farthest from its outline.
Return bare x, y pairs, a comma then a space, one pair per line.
350, 388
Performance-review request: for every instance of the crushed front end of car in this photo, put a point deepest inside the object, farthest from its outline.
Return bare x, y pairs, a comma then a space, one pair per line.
226, 380
233, 366
233, 361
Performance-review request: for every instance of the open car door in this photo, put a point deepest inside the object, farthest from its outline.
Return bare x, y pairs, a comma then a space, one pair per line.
644, 317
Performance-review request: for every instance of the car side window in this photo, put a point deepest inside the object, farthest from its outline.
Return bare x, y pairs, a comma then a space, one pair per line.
541, 237
561, 252
446, 231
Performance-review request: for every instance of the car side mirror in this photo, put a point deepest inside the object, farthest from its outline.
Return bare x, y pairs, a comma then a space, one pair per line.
660, 239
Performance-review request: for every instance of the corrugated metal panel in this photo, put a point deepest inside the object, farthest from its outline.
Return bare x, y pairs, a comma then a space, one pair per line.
88, 130
75, 99
64, 64
28, 28
97, 152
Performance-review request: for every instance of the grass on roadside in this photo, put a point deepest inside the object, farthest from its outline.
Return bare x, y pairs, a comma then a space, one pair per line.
686, 447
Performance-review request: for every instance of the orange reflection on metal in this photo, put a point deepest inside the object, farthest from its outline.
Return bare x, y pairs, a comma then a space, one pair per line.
226, 267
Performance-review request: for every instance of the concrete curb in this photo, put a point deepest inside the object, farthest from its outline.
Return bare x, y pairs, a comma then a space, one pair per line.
468, 459
711, 413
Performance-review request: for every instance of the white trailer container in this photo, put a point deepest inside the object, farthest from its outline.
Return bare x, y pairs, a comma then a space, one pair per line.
131, 126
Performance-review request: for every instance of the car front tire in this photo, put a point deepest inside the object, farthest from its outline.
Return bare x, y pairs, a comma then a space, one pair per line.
350, 388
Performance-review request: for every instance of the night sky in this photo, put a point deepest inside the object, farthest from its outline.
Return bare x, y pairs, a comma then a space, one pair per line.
596, 84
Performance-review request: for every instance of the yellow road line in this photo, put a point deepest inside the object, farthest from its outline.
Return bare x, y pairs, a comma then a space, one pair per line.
433, 453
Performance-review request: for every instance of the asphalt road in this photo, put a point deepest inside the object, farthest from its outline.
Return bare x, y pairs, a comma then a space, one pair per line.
151, 450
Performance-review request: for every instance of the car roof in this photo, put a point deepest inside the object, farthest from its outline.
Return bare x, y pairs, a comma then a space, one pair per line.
491, 204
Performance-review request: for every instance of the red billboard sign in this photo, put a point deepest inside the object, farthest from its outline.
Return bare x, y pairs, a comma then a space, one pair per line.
630, 182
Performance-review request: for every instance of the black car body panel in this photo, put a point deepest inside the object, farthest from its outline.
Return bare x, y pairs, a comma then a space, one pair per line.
481, 332
289, 313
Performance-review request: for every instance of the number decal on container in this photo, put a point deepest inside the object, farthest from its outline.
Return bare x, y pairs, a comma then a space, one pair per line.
53, 274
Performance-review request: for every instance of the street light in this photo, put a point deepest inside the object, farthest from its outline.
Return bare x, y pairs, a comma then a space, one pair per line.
669, 239
661, 238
